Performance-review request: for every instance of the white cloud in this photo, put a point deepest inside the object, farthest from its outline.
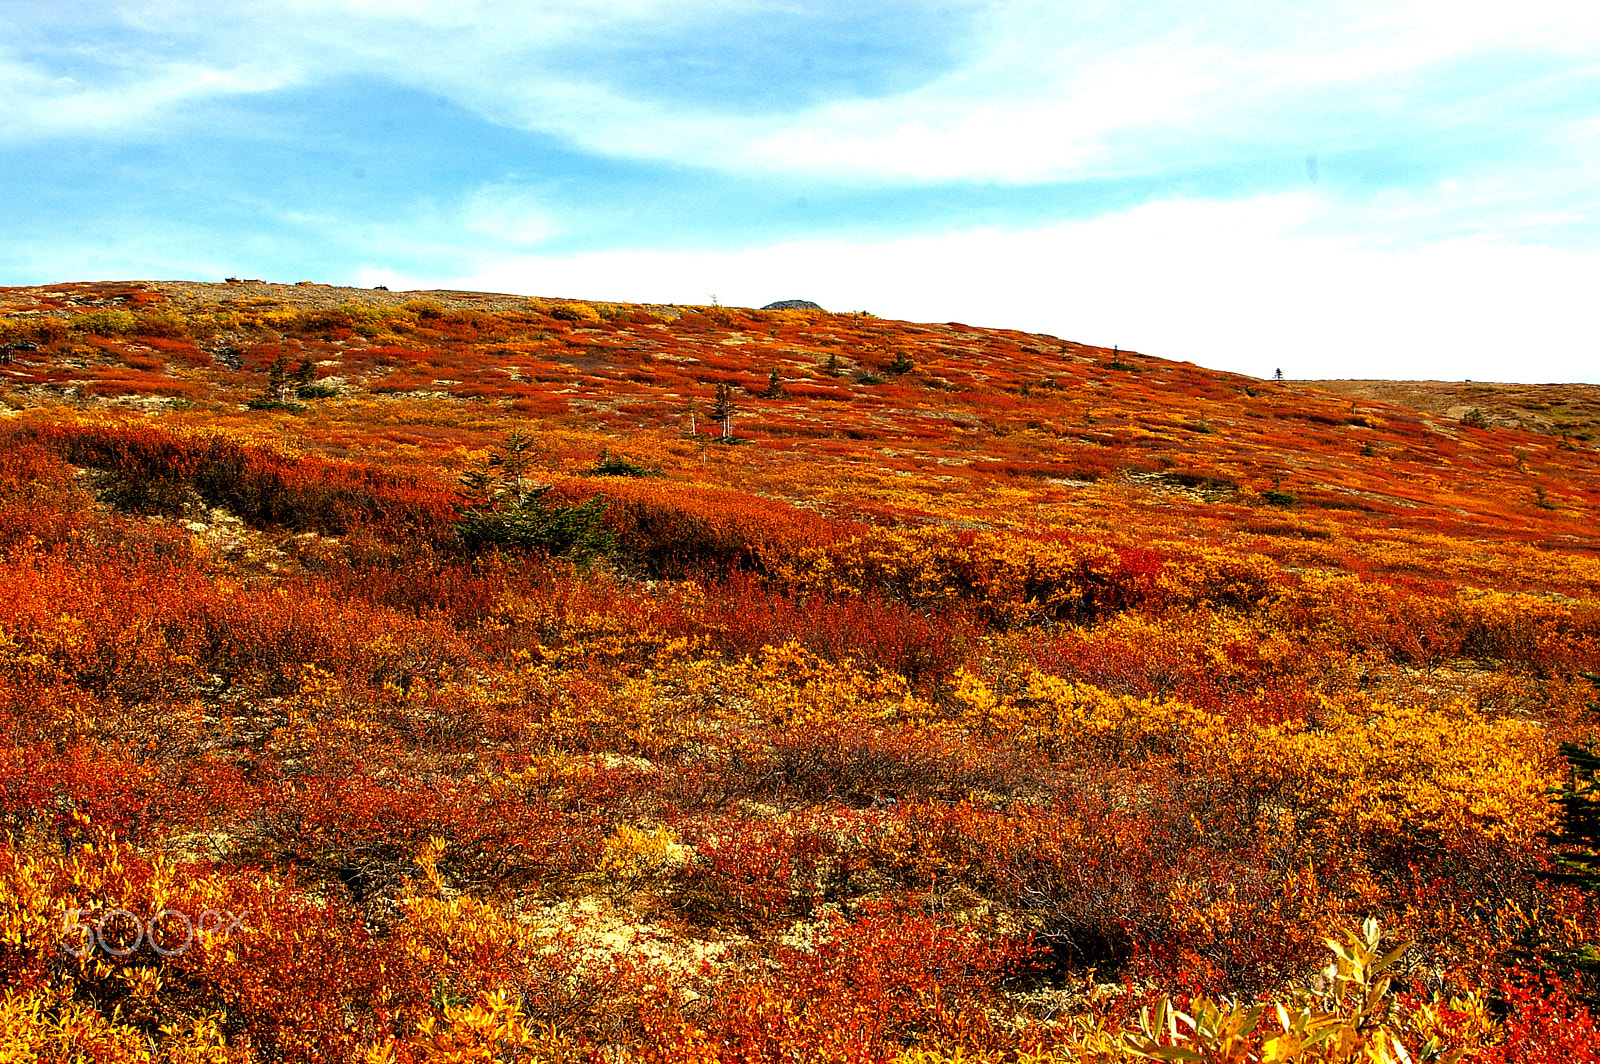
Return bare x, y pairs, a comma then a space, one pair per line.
126, 104
1042, 91
507, 216
1228, 285
1057, 129
1048, 91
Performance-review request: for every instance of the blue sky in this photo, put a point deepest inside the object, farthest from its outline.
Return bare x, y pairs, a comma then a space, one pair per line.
1388, 189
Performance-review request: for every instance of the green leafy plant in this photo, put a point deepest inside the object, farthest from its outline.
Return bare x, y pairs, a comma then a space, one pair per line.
1578, 840
105, 322
272, 397
774, 386
611, 465
266, 402
1276, 496
722, 409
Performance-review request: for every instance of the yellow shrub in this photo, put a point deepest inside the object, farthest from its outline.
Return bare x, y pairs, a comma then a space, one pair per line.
1068, 715
1018, 579
39, 1027
492, 1028
1351, 1018
632, 854
788, 685
574, 312
1411, 773
1209, 577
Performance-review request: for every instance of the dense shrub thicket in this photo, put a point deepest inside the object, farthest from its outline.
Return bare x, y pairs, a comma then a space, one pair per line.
393, 731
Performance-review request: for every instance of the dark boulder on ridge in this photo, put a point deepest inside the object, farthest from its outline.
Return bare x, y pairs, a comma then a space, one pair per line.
792, 304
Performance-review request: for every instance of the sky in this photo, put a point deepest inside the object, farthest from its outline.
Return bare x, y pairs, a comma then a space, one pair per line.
1334, 188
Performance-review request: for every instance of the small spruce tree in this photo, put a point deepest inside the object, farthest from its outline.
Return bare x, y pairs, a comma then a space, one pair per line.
722, 409
501, 506
278, 377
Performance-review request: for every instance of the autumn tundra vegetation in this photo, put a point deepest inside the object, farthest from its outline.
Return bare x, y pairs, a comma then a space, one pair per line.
395, 677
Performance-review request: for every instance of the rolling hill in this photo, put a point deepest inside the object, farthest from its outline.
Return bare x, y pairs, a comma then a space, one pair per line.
541, 678
1569, 410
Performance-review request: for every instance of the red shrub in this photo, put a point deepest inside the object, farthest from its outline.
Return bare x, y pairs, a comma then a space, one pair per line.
1545, 1026
924, 646
261, 486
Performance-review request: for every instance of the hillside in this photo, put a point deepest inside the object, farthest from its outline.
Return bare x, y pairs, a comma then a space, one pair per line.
1569, 410
978, 408
980, 688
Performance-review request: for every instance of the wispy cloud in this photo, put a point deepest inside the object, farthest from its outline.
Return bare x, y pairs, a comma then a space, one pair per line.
1230, 285
1011, 91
